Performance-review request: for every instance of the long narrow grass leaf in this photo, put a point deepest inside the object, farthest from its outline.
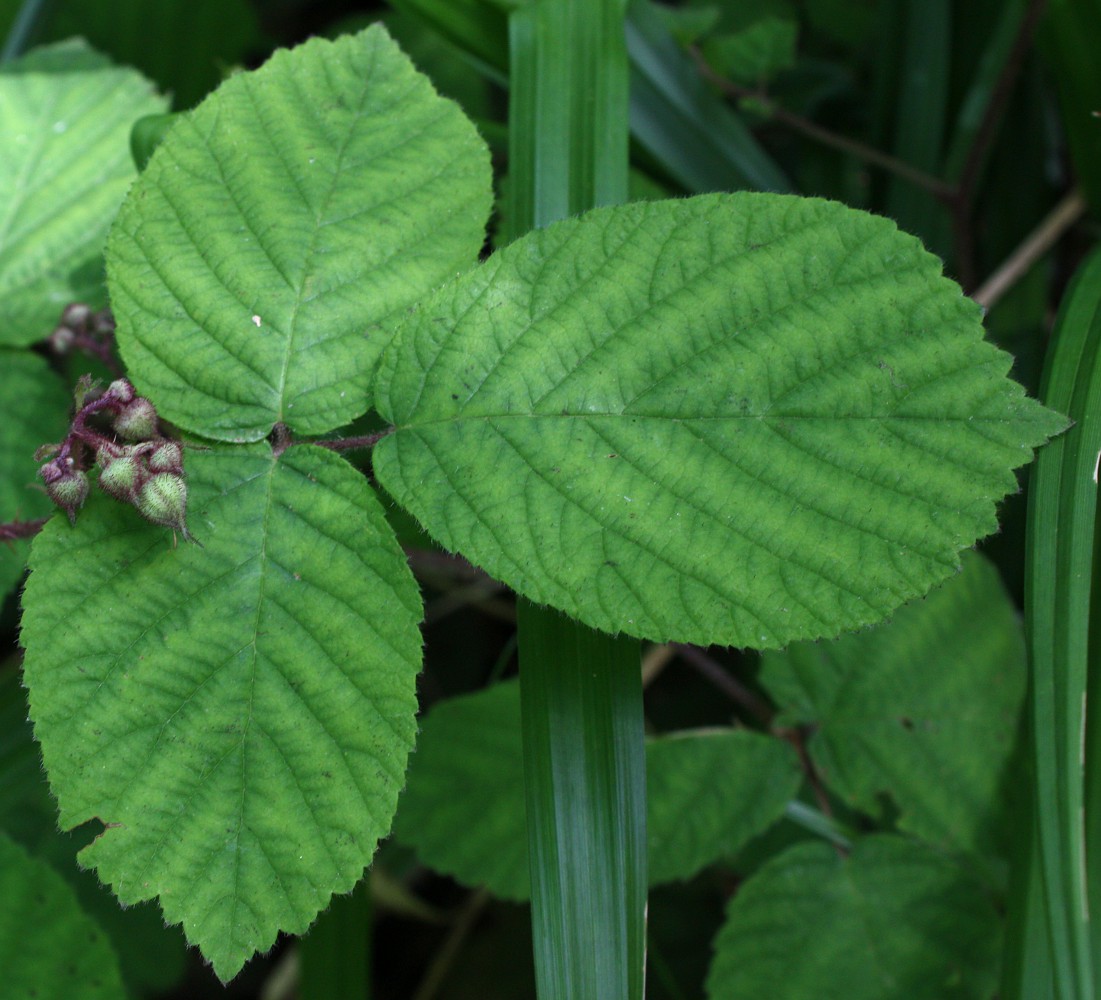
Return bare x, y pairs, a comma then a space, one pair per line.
1059, 570
581, 692
677, 118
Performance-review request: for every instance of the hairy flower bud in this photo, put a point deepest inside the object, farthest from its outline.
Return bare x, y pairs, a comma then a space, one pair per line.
137, 421
121, 390
121, 476
166, 456
163, 501
66, 485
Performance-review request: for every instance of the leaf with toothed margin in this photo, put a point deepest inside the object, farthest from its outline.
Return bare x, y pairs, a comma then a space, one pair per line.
238, 716
65, 116
263, 255
741, 419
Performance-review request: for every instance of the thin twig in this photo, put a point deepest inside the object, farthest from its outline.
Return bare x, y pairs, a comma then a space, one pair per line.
962, 199
445, 957
722, 679
1064, 215
657, 658
14, 530
999, 99
868, 154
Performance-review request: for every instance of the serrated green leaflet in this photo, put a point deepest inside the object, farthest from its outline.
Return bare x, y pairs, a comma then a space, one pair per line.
65, 114
924, 709
280, 228
237, 715
50, 948
34, 414
895, 919
739, 419
708, 793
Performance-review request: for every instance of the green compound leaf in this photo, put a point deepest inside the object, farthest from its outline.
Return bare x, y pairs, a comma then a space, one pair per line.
925, 709
282, 226
35, 409
894, 919
239, 715
708, 793
65, 117
49, 948
739, 419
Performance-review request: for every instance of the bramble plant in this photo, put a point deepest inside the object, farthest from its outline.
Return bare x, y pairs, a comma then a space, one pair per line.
751, 420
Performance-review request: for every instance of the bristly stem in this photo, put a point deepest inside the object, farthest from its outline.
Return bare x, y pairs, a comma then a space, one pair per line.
14, 530
355, 443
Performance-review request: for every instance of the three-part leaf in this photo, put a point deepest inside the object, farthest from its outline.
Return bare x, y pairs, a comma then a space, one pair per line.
739, 419
279, 230
238, 716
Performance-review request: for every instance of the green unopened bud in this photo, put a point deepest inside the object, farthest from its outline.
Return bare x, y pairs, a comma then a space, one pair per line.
163, 501
166, 457
137, 421
121, 476
121, 390
66, 485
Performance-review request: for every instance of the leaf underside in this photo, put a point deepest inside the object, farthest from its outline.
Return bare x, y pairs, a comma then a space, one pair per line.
739, 419
238, 716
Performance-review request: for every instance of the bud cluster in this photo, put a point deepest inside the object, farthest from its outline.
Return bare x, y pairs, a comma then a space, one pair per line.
118, 431
85, 329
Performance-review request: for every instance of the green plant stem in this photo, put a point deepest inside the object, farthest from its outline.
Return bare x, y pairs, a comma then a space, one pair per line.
335, 956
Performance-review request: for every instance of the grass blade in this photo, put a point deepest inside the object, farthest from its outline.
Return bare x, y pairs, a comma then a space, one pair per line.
682, 122
581, 691
1059, 569
580, 697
